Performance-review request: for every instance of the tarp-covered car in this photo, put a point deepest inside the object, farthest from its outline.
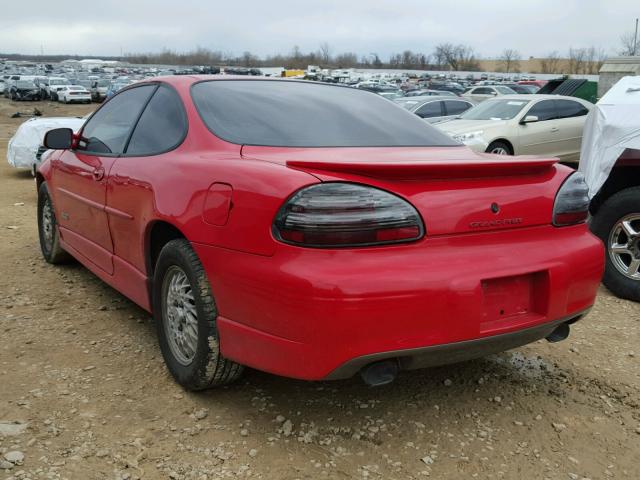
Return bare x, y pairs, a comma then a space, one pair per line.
22, 150
610, 162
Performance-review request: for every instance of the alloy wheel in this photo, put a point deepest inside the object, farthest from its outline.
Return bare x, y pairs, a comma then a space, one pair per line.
179, 315
499, 151
624, 246
47, 223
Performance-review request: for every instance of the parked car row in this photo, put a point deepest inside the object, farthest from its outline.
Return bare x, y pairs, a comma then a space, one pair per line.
62, 89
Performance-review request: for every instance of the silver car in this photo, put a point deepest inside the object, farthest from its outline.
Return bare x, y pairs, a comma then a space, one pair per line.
436, 109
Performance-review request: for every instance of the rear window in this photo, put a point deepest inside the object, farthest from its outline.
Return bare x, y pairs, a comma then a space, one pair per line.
300, 114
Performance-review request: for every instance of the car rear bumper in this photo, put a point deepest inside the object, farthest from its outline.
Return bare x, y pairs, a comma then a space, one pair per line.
315, 314
423, 357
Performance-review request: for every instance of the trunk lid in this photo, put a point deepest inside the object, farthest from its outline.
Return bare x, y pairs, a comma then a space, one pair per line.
455, 190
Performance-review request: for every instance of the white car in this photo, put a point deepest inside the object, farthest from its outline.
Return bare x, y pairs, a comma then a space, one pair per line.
485, 92
435, 109
549, 125
54, 84
25, 147
74, 93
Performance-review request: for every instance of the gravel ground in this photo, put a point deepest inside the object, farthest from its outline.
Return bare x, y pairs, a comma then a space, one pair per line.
84, 393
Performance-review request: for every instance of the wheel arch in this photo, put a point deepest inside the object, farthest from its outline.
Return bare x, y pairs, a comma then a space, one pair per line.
505, 141
158, 234
620, 178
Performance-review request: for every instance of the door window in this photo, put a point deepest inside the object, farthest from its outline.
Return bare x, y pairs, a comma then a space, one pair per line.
455, 107
162, 126
430, 110
544, 110
570, 109
107, 131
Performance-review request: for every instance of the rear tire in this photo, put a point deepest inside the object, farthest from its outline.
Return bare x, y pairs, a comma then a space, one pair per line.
48, 229
622, 242
185, 315
499, 148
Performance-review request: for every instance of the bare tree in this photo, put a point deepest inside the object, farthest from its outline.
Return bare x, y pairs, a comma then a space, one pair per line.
577, 58
630, 45
325, 53
456, 57
551, 63
509, 61
593, 59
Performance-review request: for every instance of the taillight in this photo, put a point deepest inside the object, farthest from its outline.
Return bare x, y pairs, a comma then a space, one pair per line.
572, 201
346, 214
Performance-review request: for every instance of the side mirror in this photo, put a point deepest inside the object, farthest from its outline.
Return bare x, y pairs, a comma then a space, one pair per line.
495, 94
59, 139
529, 119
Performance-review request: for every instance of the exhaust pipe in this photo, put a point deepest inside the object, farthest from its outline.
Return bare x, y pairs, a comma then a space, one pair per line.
380, 373
560, 333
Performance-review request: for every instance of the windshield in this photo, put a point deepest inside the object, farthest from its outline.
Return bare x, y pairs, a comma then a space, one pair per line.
104, 83
504, 90
58, 82
25, 84
495, 110
408, 104
300, 114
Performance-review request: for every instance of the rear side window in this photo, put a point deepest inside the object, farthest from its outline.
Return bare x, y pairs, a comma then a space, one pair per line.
107, 131
544, 110
569, 109
430, 110
455, 107
281, 113
162, 126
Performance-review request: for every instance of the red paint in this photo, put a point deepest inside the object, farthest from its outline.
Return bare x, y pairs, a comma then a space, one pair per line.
302, 312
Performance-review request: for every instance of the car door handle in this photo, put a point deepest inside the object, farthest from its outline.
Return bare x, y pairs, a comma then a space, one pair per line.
98, 174
554, 129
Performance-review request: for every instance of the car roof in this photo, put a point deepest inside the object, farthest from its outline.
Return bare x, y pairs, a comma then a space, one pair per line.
538, 96
419, 98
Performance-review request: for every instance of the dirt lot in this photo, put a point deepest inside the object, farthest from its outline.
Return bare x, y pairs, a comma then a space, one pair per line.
84, 393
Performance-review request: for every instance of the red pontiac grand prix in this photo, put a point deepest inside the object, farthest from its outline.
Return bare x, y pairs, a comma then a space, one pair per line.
313, 231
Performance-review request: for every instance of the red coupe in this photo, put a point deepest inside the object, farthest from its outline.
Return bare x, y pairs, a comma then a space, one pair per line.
313, 231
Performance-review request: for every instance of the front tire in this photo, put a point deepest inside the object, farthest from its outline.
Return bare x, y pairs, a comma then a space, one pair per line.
185, 315
617, 224
499, 148
48, 232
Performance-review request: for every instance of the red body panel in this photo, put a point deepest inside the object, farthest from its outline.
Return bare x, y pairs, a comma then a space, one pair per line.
303, 312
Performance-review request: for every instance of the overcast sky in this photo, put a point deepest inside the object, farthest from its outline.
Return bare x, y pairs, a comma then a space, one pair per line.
107, 27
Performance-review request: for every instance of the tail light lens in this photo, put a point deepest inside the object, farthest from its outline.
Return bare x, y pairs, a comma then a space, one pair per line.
572, 201
345, 214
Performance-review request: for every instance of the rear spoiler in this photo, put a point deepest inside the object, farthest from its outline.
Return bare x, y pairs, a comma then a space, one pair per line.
433, 169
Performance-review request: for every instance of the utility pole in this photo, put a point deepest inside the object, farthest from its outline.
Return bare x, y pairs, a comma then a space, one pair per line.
635, 39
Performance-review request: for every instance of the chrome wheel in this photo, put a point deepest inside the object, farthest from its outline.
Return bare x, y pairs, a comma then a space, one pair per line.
47, 224
624, 246
499, 151
179, 315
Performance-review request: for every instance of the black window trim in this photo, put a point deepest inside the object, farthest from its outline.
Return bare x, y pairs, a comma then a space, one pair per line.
185, 131
328, 85
115, 155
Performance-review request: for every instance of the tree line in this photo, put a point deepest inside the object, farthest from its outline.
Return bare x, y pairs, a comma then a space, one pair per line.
443, 57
